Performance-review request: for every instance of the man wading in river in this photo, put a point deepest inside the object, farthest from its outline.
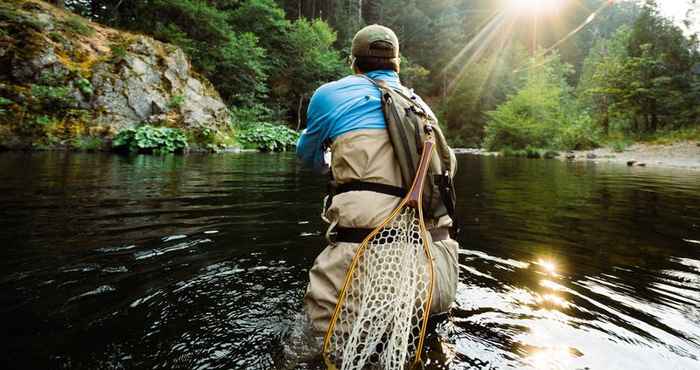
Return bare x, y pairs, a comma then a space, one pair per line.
346, 116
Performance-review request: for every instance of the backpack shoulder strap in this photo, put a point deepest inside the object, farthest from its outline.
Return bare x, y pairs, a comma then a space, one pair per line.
381, 85
403, 93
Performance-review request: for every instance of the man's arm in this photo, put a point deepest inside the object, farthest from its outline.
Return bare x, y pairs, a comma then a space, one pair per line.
310, 147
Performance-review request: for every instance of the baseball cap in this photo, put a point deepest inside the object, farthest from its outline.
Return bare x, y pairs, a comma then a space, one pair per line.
375, 41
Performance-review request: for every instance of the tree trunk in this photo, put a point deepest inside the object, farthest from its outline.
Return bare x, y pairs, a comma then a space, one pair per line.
359, 11
57, 3
606, 116
301, 104
654, 117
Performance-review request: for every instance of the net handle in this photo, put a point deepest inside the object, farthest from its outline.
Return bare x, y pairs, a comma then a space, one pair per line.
414, 194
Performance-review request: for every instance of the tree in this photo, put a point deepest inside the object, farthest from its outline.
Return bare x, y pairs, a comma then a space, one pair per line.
312, 62
602, 66
643, 77
542, 114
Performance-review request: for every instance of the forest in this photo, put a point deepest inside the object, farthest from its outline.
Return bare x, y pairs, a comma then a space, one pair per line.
583, 74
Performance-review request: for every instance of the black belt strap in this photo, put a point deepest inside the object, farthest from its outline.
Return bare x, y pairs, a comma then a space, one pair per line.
371, 186
358, 235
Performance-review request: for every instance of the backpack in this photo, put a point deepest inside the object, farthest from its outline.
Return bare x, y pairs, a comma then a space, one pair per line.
406, 120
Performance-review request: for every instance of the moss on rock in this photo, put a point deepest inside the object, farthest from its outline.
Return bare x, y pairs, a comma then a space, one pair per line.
69, 82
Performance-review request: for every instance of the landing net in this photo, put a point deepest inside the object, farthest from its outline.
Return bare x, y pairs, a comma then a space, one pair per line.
382, 310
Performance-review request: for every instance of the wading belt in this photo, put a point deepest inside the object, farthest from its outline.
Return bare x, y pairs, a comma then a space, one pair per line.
358, 235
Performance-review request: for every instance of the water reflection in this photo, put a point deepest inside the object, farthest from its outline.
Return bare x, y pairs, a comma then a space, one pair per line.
574, 267
201, 262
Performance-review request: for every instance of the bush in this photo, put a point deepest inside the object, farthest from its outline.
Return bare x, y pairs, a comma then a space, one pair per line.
578, 135
149, 139
532, 152
510, 152
87, 143
664, 137
543, 114
214, 139
268, 137
52, 98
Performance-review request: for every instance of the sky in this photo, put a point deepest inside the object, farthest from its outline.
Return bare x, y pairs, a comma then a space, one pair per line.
676, 10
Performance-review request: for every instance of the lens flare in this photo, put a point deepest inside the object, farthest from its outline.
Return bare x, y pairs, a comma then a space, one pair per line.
535, 6
548, 266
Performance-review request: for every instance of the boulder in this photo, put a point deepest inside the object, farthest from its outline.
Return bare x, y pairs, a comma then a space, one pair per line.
154, 79
107, 79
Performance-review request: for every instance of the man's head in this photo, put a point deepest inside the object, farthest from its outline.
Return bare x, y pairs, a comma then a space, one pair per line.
374, 48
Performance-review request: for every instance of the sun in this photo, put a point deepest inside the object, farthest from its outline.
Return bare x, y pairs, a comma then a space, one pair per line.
535, 6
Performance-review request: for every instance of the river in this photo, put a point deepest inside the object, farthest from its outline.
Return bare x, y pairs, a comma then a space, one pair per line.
115, 262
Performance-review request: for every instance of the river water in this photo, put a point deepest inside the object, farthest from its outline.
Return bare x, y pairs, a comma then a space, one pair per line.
194, 262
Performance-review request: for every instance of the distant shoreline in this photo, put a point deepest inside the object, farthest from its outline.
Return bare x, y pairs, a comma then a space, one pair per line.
682, 155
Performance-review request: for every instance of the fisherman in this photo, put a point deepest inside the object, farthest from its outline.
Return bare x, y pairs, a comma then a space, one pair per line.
346, 117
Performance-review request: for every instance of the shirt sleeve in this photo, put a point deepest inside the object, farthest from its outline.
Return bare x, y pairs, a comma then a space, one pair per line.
310, 144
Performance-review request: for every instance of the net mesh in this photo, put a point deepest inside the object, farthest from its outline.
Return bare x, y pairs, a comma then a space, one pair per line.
380, 316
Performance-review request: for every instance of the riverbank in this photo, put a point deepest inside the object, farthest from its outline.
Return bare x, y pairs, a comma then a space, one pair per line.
682, 154
685, 154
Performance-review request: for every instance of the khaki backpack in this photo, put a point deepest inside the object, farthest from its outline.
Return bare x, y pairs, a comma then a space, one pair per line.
406, 120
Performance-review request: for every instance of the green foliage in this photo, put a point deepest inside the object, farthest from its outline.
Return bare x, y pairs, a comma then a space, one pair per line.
57, 37
579, 134
176, 101
84, 85
118, 51
268, 137
214, 139
43, 120
507, 151
149, 139
52, 98
642, 79
233, 60
478, 88
619, 145
10, 13
671, 136
414, 76
542, 114
3, 103
242, 117
87, 143
75, 24
532, 152
309, 62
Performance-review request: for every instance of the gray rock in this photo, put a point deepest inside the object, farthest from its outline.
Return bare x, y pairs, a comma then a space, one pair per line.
46, 21
142, 87
550, 154
591, 156
32, 68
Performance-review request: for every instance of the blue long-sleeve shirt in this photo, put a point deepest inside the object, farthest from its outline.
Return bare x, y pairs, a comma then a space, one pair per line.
351, 103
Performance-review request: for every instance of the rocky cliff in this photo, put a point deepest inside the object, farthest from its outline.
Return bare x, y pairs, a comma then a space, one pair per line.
68, 82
